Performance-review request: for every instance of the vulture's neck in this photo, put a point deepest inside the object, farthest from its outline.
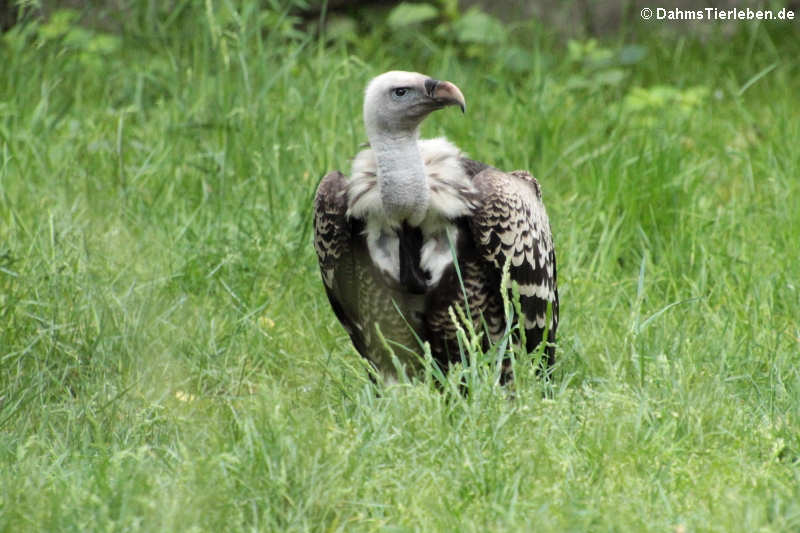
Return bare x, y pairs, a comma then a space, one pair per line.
401, 176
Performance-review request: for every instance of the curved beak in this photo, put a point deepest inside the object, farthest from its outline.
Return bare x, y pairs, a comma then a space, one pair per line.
445, 93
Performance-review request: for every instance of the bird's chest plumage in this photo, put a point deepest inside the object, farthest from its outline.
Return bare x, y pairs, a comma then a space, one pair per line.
414, 253
412, 258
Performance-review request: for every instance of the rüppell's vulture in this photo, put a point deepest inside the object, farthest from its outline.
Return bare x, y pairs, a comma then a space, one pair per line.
386, 237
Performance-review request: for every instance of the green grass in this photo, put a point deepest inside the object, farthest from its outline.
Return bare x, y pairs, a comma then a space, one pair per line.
168, 359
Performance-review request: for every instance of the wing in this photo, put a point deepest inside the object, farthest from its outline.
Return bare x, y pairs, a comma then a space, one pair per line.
511, 221
359, 292
333, 241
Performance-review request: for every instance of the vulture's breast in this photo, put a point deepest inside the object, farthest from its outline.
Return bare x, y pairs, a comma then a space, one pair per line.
414, 257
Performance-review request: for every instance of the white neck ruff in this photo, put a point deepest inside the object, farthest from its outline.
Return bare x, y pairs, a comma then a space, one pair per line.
449, 190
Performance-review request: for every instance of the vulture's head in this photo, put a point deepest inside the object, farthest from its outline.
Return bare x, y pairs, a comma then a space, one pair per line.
397, 102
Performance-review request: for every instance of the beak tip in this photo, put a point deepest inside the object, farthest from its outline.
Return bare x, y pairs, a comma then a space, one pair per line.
445, 93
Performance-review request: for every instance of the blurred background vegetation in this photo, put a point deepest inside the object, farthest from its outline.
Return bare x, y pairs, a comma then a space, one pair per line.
570, 17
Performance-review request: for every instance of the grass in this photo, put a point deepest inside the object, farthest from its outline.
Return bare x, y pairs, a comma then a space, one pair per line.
169, 362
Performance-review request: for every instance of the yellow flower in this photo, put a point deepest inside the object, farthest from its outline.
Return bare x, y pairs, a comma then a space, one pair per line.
182, 396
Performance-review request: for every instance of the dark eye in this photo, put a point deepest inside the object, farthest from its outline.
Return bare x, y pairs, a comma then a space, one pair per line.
399, 92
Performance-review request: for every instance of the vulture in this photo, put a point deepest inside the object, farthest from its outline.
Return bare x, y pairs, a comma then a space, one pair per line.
418, 228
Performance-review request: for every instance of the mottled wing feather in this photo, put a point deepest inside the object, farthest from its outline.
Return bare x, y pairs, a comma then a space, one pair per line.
360, 294
331, 230
333, 244
511, 221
